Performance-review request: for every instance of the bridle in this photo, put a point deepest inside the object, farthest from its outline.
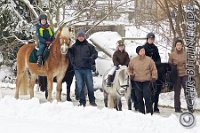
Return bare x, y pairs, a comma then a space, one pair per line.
124, 87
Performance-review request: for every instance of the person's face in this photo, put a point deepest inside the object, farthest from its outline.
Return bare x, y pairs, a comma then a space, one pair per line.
179, 46
150, 40
81, 38
142, 52
43, 21
121, 48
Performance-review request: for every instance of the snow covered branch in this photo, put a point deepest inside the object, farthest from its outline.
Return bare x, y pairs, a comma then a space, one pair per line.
30, 6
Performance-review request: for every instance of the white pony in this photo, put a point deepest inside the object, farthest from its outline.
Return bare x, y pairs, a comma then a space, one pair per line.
121, 87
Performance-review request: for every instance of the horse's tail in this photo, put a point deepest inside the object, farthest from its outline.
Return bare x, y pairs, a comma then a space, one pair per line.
24, 85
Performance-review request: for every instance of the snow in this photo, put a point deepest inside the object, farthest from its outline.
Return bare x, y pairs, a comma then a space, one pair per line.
5, 72
32, 116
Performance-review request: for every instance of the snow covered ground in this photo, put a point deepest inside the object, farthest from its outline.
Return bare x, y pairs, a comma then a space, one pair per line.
38, 115
35, 116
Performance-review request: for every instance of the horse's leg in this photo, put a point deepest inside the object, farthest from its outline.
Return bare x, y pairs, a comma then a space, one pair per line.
128, 98
156, 98
111, 102
76, 91
59, 87
50, 87
105, 98
18, 81
129, 104
69, 80
68, 92
119, 103
32, 83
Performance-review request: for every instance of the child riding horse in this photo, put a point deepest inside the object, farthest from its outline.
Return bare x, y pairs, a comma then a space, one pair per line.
55, 65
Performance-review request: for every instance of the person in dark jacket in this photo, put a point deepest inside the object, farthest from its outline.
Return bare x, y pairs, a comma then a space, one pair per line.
45, 36
120, 57
151, 50
82, 55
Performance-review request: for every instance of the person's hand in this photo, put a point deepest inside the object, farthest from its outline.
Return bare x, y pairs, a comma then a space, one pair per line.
93, 68
132, 76
153, 79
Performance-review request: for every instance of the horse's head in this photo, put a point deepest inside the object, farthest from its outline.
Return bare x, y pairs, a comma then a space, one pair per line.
166, 76
122, 77
65, 41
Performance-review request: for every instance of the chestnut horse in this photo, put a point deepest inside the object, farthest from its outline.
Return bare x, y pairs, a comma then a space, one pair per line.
55, 66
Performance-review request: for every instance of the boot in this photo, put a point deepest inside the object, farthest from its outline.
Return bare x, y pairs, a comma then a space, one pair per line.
109, 81
68, 97
93, 104
39, 61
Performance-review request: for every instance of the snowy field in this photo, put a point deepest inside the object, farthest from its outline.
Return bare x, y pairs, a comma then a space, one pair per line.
38, 115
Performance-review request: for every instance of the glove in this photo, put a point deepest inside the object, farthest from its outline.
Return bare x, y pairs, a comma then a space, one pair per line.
47, 42
93, 68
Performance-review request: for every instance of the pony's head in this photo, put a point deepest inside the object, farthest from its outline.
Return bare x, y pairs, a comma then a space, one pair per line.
65, 41
122, 77
167, 75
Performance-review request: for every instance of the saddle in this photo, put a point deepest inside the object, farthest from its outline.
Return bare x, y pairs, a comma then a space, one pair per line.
33, 56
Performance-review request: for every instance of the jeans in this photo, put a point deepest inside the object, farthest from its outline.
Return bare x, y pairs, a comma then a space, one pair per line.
41, 47
84, 76
143, 90
181, 82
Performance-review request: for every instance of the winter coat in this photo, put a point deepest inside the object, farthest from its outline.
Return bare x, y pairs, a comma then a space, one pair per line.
82, 55
44, 33
151, 50
179, 58
120, 58
142, 69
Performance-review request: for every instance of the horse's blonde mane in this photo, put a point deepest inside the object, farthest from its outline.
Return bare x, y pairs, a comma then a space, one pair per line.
65, 32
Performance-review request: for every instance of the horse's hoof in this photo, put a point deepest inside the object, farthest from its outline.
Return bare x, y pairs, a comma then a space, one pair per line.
58, 100
69, 99
49, 99
156, 110
16, 96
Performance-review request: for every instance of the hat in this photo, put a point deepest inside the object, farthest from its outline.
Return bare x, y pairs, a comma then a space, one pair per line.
150, 35
138, 49
43, 16
81, 33
120, 43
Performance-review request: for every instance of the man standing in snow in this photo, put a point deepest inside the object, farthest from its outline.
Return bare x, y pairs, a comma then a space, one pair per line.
151, 50
142, 70
82, 55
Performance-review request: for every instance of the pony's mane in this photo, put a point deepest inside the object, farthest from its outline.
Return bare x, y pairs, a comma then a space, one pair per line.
65, 32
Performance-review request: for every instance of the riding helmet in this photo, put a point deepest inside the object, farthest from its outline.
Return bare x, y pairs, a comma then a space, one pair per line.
120, 43
43, 16
151, 35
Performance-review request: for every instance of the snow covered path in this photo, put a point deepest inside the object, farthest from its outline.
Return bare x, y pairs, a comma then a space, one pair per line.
32, 116
38, 115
